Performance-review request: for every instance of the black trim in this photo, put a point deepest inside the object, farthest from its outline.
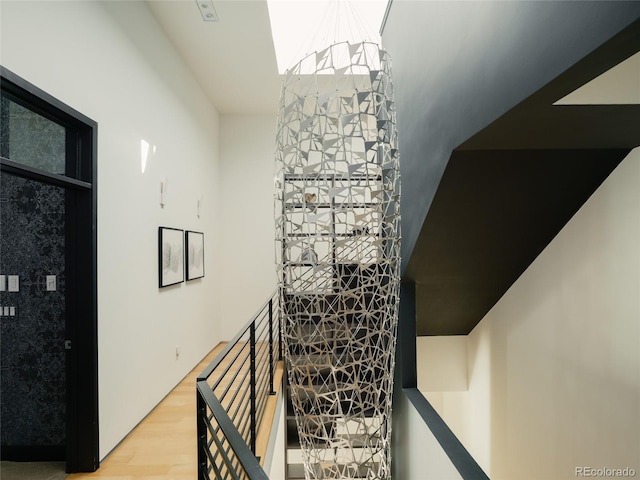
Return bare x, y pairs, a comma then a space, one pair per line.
82, 443
406, 351
245, 457
80, 139
41, 102
30, 453
459, 456
37, 174
161, 279
407, 378
188, 274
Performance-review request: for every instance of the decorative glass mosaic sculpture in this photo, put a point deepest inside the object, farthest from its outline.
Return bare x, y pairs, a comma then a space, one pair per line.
338, 256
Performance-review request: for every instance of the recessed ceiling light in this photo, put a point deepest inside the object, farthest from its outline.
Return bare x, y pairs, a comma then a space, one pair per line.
208, 11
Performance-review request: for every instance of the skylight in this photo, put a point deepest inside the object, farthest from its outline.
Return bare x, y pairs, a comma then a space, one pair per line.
300, 27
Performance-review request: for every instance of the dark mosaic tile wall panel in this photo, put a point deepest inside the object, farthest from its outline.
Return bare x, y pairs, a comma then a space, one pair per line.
32, 380
31, 139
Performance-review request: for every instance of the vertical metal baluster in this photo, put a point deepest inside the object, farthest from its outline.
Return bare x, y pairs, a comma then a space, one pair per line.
252, 372
271, 366
280, 344
202, 436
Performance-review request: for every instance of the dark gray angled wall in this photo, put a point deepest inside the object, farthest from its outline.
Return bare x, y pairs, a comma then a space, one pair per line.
459, 66
491, 168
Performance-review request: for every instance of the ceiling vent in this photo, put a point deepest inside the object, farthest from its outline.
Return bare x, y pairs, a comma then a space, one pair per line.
208, 11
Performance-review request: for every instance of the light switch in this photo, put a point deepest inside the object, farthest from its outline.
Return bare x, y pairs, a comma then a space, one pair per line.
14, 283
3, 283
51, 283
12, 311
5, 311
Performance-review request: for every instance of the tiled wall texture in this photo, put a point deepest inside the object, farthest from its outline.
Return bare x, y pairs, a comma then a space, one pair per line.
32, 380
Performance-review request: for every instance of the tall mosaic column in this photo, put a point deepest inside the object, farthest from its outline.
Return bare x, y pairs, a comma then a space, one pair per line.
338, 256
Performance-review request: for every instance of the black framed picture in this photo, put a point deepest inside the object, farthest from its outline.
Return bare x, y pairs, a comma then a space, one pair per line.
170, 256
195, 254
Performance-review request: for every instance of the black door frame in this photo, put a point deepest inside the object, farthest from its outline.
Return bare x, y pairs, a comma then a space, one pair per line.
80, 183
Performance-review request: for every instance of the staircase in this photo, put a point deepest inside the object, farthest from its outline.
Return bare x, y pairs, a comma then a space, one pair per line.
351, 461
339, 386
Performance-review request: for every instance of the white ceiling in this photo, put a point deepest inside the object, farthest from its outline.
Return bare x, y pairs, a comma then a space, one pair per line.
233, 59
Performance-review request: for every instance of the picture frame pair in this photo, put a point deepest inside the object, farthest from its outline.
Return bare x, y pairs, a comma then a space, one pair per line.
180, 256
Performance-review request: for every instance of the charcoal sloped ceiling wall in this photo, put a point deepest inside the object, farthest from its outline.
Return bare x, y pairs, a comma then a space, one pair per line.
474, 79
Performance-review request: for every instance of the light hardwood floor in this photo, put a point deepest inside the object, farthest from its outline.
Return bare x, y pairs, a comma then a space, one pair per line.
163, 445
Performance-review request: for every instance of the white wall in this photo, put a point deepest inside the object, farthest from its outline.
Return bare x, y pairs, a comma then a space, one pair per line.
111, 62
554, 367
446, 356
274, 464
416, 454
442, 376
247, 147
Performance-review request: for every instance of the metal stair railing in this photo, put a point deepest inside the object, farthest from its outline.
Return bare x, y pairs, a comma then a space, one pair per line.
231, 403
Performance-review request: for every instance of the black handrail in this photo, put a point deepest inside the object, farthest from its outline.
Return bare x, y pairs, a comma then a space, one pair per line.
227, 418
